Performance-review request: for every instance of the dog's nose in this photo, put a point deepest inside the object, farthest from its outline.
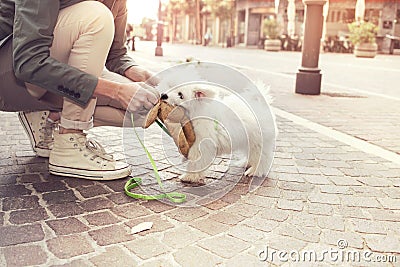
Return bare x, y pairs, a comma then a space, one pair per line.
164, 96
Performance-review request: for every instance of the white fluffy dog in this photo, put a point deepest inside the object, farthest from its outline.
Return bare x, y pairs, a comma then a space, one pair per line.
226, 123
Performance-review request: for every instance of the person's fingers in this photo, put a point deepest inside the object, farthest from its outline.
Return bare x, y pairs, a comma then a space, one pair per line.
148, 74
148, 105
141, 99
152, 98
150, 88
156, 94
139, 74
139, 120
134, 106
152, 94
153, 81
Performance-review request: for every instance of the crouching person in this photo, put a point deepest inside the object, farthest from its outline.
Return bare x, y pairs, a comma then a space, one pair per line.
64, 65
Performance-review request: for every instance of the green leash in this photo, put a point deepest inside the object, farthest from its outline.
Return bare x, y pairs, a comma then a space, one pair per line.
174, 197
162, 126
136, 181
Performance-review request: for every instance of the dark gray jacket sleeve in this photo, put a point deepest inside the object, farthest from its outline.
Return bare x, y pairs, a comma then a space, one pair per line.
118, 59
34, 24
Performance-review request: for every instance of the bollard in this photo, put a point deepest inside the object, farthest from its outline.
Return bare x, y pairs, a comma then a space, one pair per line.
308, 78
133, 43
160, 32
159, 49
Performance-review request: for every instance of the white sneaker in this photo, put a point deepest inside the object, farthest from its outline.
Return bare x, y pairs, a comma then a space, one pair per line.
39, 130
74, 155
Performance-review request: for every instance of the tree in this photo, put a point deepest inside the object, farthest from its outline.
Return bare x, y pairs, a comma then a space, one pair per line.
198, 26
187, 7
224, 10
221, 8
147, 24
174, 8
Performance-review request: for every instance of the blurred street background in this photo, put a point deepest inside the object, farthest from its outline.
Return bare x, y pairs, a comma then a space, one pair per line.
359, 96
247, 23
334, 184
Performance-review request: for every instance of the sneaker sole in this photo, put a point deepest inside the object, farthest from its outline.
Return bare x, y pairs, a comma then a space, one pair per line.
90, 175
41, 152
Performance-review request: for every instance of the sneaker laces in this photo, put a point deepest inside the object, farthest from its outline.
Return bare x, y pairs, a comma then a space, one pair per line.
46, 131
94, 147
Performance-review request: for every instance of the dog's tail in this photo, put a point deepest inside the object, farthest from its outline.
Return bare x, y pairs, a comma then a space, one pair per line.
258, 92
265, 91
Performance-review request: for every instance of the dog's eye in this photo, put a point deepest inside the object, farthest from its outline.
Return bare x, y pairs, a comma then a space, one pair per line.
180, 95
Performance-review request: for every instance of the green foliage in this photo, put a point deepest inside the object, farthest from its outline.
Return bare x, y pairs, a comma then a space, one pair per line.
362, 32
221, 8
174, 6
270, 27
147, 24
189, 6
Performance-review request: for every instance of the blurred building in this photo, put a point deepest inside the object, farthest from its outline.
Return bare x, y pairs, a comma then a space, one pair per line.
384, 14
245, 22
250, 14
215, 17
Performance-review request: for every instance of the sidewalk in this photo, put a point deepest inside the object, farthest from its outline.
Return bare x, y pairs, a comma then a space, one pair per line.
321, 195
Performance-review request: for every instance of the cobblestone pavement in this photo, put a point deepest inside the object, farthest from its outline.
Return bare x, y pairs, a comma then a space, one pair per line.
321, 196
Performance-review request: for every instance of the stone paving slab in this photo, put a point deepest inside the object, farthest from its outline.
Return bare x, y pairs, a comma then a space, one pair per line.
315, 196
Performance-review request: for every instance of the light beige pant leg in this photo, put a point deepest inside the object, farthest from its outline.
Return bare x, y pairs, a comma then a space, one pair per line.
82, 38
111, 113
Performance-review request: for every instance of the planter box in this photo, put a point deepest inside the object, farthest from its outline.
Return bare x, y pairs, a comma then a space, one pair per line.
366, 50
272, 45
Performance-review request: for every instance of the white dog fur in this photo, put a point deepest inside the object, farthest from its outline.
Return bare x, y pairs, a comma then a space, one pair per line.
240, 125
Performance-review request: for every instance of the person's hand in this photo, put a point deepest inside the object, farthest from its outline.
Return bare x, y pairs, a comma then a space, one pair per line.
138, 74
137, 97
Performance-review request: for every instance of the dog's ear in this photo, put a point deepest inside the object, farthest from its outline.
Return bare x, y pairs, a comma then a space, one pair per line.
200, 93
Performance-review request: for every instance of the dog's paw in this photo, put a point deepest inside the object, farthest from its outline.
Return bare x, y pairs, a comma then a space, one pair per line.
255, 172
192, 178
250, 171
